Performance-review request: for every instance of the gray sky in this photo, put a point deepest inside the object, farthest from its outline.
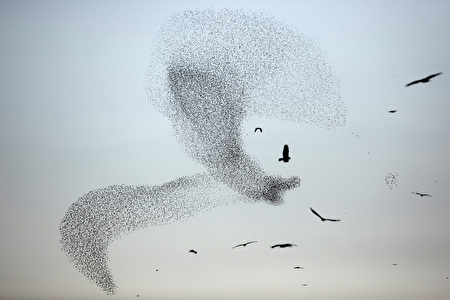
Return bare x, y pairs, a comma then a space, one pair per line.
74, 117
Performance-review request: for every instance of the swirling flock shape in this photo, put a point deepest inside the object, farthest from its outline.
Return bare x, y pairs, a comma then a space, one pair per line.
210, 69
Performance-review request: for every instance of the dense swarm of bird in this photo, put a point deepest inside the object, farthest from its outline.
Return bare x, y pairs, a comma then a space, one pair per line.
178, 75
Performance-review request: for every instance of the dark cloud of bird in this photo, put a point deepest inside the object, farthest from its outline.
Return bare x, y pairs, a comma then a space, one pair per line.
209, 70
212, 68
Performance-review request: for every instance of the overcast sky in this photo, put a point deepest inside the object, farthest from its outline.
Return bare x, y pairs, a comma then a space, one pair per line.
74, 117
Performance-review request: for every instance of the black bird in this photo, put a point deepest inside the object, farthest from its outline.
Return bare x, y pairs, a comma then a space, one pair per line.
298, 268
157, 270
424, 80
244, 244
393, 111
287, 245
193, 251
323, 219
394, 265
285, 157
258, 128
421, 194
304, 284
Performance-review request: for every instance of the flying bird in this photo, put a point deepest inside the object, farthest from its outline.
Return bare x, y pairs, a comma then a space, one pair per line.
393, 111
323, 219
285, 157
244, 244
304, 284
297, 267
421, 194
424, 80
258, 128
394, 265
192, 251
287, 245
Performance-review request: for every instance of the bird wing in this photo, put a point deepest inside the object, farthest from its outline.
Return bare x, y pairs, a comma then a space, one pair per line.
240, 245
314, 212
250, 242
332, 220
286, 151
414, 82
274, 246
433, 75
421, 194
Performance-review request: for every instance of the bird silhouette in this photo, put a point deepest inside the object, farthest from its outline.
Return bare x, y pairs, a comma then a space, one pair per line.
393, 111
304, 284
421, 194
424, 80
285, 157
298, 268
394, 265
192, 251
258, 128
244, 244
287, 245
323, 219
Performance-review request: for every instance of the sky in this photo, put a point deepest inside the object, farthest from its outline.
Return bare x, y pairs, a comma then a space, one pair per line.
74, 117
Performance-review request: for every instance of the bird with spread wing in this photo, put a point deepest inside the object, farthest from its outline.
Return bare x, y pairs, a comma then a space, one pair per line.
287, 245
424, 80
285, 157
421, 194
323, 219
244, 244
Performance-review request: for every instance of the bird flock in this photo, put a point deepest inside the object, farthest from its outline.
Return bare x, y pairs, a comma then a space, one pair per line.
209, 70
